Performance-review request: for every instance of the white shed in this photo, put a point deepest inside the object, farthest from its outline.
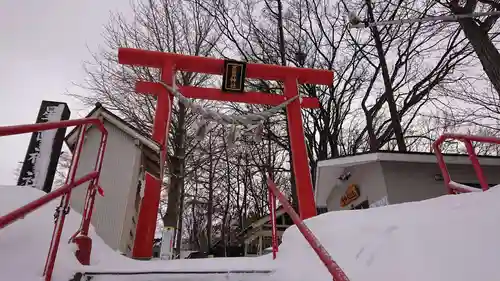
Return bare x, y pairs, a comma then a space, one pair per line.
129, 154
390, 177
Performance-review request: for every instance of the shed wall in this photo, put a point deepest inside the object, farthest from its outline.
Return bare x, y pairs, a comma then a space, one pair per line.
368, 177
407, 182
117, 178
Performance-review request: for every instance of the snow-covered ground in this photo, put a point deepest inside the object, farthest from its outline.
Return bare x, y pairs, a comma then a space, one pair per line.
447, 238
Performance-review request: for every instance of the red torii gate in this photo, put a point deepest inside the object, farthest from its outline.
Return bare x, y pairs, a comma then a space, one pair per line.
169, 63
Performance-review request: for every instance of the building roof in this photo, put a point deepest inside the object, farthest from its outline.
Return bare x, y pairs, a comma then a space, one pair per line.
412, 157
339, 164
280, 211
100, 111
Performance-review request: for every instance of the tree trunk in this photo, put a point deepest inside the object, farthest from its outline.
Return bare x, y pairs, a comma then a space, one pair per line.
178, 237
372, 137
388, 93
293, 184
226, 227
238, 191
246, 186
194, 237
485, 50
177, 172
210, 197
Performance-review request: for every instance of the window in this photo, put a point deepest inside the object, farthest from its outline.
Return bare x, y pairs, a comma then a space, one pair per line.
321, 210
252, 248
288, 219
156, 253
267, 242
137, 196
362, 205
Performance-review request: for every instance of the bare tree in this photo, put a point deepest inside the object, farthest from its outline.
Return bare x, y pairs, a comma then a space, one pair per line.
424, 63
386, 93
166, 26
385, 79
476, 30
62, 168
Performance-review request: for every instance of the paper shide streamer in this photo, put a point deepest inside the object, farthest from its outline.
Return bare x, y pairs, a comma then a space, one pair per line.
239, 124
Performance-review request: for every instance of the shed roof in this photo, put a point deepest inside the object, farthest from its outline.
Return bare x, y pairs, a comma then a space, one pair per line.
412, 157
100, 111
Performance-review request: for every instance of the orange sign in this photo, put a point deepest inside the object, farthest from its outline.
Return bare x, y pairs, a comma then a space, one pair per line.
351, 194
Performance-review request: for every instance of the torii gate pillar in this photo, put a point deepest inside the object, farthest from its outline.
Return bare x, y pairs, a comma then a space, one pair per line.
169, 63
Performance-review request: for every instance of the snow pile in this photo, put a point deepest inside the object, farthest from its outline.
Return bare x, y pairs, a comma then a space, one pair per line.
24, 246
447, 238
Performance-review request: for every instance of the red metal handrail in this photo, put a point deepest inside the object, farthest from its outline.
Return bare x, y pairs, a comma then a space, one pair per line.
451, 186
30, 128
274, 230
334, 269
21, 212
83, 241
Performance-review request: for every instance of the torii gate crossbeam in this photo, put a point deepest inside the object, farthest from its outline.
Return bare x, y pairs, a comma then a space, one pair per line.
169, 63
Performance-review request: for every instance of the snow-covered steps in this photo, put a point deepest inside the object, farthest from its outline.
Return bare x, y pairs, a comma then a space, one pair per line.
175, 274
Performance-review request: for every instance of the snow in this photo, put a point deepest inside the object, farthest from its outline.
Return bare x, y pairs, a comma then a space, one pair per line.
465, 187
24, 245
382, 202
446, 238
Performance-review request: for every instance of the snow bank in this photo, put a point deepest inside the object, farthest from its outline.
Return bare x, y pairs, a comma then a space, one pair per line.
447, 238
24, 246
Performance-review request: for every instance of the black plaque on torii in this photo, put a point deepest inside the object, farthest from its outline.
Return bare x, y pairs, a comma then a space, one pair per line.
233, 78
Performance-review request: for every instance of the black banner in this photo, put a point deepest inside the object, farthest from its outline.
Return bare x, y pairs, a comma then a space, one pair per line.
44, 149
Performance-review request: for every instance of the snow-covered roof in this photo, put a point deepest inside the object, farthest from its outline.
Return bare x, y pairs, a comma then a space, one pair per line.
280, 211
100, 111
411, 157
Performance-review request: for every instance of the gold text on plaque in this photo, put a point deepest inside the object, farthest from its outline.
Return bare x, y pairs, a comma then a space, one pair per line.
233, 79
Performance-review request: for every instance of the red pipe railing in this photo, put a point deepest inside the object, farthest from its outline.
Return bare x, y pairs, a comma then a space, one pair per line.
334, 269
274, 228
30, 128
32, 206
451, 186
83, 241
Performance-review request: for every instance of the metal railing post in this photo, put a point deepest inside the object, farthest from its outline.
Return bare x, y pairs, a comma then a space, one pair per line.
451, 186
334, 269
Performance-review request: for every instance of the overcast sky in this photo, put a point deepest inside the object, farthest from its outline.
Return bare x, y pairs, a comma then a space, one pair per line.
42, 46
